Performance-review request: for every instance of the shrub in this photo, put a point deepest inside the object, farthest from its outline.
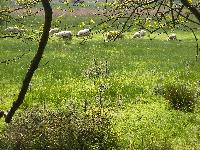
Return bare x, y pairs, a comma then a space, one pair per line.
37, 129
180, 97
97, 70
4, 13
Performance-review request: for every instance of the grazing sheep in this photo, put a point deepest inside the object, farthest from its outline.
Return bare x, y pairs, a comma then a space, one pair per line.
136, 35
53, 31
64, 34
172, 37
84, 33
142, 32
111, 35
14, 30
139, 34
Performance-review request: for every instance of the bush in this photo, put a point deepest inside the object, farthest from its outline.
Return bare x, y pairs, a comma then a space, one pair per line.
37, 129
3, 13
180, 97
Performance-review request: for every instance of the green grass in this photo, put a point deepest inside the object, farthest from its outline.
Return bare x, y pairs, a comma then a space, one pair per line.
136, 66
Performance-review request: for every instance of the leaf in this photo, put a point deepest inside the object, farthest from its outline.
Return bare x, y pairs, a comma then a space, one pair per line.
92, 21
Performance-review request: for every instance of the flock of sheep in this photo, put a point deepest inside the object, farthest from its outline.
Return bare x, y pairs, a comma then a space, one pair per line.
68, 34
111, 35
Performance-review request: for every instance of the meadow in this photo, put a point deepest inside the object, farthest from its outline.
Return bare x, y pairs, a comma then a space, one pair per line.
126, 78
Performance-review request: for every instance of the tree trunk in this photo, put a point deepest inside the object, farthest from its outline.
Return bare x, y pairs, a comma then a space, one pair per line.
35, 61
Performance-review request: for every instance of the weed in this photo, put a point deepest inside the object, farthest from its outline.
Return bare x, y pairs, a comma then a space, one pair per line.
99, 69
180, 97
37, 129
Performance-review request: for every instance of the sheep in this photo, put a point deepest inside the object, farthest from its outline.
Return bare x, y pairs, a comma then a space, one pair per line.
142, 32
64, 34
139, 34
84, 33
53, 31
172, 37
14, 30
112, 35
136, 35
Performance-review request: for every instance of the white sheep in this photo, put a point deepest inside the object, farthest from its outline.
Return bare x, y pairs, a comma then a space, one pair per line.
136, 35
64, 34
142, 32
53, 31
172, 37
14, 30
139, 34
84, 33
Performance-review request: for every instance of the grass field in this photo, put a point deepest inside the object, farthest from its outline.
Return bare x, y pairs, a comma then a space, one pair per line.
126, 77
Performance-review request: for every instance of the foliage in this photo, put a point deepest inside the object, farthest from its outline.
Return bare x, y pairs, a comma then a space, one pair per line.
4, 15
47, 129
180, 97
153, 16
98, 70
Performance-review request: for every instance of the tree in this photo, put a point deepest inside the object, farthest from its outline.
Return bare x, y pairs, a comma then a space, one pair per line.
34, 63
162, 11
153, 15
193, 8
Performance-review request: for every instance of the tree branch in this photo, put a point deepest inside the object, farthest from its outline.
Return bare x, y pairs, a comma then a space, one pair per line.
193, 9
